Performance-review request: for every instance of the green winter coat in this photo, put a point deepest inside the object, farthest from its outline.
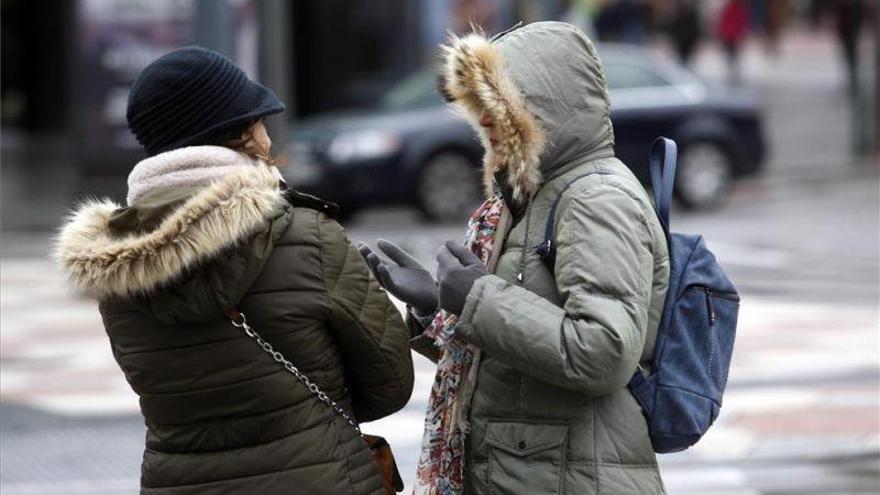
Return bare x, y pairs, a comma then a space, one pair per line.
551, 412
221, 415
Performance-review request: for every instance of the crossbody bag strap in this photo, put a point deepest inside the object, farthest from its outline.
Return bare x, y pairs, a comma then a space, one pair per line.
239, 320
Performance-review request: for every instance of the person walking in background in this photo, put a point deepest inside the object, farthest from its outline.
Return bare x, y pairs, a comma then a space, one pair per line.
733, 26
684, 28
211, 236
777, 16
848, 23
623, 21
759, 16
846, 16
582, 14
535, 347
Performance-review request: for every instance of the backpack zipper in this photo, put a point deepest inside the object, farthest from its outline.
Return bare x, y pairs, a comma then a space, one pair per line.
730, 296
709, 306
723, 295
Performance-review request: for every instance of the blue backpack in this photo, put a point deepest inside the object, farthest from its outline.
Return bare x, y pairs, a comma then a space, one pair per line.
681, 396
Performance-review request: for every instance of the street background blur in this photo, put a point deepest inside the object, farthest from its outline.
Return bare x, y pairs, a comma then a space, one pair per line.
800, 237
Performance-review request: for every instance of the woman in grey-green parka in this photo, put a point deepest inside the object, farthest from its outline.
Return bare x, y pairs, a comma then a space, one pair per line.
211, 227
549, 412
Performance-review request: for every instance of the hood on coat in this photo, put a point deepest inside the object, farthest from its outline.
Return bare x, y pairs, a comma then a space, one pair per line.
100, 264
544, 89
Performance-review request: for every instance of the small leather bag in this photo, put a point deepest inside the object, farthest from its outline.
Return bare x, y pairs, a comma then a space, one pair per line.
378, 446
387, 465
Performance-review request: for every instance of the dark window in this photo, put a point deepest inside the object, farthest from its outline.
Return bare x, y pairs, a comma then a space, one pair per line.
348, 52
35, 57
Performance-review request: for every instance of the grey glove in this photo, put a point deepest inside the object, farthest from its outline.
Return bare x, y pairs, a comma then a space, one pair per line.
457, 270
402, 276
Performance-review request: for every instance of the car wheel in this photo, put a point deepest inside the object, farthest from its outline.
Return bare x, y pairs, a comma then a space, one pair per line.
448, 187
704, 175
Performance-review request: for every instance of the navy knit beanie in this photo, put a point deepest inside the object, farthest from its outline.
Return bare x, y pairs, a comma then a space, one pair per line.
190, 95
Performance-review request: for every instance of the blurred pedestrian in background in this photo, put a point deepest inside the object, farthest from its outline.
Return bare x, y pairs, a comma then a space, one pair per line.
733, 26
534, 350
623, 21
767, 18
211, 230
777, 17
846, 17
848, 22
582, 14
685, 28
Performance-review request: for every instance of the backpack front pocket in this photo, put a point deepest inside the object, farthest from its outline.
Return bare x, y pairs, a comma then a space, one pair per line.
712, 322
526, 457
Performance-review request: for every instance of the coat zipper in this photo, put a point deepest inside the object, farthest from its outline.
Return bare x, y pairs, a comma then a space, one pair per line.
524, 253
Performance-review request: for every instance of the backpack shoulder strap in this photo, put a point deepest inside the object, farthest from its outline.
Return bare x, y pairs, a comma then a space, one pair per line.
664, 154
663, 164
663, 158
547, 249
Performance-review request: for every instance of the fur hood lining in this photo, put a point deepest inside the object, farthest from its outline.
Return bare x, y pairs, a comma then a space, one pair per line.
475, 79
222, 214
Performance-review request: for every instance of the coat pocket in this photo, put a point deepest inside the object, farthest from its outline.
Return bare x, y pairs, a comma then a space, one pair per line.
526, 457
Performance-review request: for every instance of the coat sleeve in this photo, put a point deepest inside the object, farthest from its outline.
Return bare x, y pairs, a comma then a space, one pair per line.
368, 329
604, 271
419, 342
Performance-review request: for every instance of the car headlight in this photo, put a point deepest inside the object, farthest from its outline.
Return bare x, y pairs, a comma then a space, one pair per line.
362, 145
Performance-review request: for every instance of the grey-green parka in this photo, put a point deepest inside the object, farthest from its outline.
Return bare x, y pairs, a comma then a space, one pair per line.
551, 412
221, 415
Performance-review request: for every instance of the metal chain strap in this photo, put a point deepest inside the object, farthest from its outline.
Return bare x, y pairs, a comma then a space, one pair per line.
280, 359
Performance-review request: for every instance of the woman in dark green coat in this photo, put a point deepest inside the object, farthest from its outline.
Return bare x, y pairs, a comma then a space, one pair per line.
209, 227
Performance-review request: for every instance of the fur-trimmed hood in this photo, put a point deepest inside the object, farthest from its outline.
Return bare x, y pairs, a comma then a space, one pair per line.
99, 263
543, 87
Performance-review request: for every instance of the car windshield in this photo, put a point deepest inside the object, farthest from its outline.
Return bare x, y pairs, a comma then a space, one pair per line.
417, 90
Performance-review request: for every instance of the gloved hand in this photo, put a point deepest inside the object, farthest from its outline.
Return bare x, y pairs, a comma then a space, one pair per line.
458, 268
402, 276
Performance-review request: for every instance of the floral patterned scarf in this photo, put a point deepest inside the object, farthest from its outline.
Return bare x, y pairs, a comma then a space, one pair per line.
441, 463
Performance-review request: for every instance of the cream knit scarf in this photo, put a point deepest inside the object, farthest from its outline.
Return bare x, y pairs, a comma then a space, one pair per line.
185, 167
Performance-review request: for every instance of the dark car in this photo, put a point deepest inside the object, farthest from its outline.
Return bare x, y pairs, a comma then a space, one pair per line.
412, 148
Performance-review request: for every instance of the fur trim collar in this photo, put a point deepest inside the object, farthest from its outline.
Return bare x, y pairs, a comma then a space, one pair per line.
475, 79
218, 216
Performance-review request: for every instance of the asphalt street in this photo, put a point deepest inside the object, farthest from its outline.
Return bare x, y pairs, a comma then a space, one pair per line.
802, 412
